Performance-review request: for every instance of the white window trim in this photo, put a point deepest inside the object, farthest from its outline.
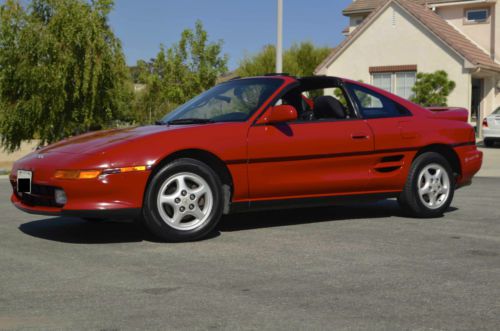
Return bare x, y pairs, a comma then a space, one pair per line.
394, 83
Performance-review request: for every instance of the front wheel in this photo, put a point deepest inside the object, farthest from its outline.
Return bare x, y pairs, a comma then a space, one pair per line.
429, 188
183, 201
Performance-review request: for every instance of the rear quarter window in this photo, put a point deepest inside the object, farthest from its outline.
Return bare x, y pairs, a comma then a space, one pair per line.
374, 105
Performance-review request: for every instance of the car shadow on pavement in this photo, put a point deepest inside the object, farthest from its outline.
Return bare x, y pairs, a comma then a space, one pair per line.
76, 231
276, 218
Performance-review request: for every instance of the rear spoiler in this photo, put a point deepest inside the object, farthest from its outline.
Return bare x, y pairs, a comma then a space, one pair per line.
450, 113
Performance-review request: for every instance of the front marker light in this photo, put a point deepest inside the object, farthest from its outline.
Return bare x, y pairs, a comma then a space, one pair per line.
77, 174
136, 168
91, 174
60, 196
125, 169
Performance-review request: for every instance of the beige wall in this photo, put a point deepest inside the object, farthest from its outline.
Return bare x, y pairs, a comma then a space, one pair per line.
489, 96
395, 38
497, 32
480, 33
497, 94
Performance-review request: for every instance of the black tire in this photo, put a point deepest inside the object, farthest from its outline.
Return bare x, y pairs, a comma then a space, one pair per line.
488, 143
410, 200
151, 214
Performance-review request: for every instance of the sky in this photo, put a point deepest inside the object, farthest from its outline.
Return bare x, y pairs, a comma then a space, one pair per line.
245, 26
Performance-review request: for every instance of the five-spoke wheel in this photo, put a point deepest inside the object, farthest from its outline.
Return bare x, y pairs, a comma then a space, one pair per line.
183, 201
433, 185
429, 187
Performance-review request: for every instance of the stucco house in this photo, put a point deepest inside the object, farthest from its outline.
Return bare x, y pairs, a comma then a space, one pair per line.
388, 41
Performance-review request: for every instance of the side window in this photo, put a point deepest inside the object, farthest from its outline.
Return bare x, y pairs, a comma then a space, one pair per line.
374, 105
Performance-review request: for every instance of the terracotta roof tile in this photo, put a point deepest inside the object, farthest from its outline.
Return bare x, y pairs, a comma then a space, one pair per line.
437, 25
449, 34
369, 5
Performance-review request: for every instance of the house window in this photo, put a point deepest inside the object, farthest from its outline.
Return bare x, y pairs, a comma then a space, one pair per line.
399, 82
404, 83
383, 81
477, 15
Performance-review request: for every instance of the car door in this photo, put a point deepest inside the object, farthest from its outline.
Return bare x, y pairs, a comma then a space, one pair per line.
396, 137
308, 158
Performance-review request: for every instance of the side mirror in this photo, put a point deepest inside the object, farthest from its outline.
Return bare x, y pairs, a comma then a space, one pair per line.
280, 114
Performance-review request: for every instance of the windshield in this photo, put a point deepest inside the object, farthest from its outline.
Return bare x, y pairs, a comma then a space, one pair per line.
497, 111
232, 101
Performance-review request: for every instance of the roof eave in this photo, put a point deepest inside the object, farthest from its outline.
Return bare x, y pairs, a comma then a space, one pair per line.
489, 67
359, 29
359, 11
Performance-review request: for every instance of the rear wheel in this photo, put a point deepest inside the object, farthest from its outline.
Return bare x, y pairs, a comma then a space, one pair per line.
429, 188
183, 201
488, 142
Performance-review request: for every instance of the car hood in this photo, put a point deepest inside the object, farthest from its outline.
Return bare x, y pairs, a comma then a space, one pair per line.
98, 142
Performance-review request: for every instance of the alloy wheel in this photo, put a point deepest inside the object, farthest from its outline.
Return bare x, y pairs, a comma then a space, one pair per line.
185, 201
433, 186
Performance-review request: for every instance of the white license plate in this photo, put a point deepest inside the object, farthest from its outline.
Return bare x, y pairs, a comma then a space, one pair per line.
24, 181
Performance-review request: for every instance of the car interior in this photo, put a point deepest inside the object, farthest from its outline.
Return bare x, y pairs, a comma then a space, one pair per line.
319, 98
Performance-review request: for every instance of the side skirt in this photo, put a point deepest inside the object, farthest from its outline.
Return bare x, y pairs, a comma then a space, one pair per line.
247, 206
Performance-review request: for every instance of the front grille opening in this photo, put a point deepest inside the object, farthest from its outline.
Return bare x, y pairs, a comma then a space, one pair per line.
40, 195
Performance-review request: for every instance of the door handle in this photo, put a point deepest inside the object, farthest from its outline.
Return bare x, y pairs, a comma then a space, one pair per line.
358, 136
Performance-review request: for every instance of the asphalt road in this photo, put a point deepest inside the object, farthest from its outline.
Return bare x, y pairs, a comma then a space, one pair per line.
344, 268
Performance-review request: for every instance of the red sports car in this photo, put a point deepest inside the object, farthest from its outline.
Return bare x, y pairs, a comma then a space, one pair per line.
263, 142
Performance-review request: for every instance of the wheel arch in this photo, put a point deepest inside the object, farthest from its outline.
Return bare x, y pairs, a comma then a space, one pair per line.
211, 160
447, 152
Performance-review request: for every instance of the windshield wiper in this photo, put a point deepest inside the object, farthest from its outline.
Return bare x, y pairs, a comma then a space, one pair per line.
190, 121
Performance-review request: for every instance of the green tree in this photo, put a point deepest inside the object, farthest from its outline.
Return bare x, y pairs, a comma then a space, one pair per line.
432, 89
179, 73
299, 60
62, 70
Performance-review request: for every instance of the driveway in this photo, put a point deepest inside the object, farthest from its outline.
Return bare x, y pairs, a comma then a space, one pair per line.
363, 267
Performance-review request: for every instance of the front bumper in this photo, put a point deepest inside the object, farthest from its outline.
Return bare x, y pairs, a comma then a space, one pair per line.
108, 196
129, 213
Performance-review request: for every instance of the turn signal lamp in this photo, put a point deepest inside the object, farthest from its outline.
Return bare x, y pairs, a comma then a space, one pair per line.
77, 174
91, 174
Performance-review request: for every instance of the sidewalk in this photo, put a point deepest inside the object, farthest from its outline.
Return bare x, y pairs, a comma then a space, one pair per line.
491, 162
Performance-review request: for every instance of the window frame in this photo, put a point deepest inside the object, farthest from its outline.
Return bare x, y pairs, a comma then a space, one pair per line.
472, 22
181, 109
394, 80
356, 102
352, 109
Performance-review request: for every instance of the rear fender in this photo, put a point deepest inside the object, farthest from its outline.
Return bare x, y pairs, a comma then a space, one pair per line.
450, 113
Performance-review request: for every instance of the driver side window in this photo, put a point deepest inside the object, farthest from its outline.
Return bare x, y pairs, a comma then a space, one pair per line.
319, 104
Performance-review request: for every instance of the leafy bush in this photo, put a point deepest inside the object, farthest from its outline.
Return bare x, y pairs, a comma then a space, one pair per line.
432, 89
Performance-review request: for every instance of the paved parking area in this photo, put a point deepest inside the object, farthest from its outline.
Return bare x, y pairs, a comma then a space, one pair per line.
363, 267
491, 161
